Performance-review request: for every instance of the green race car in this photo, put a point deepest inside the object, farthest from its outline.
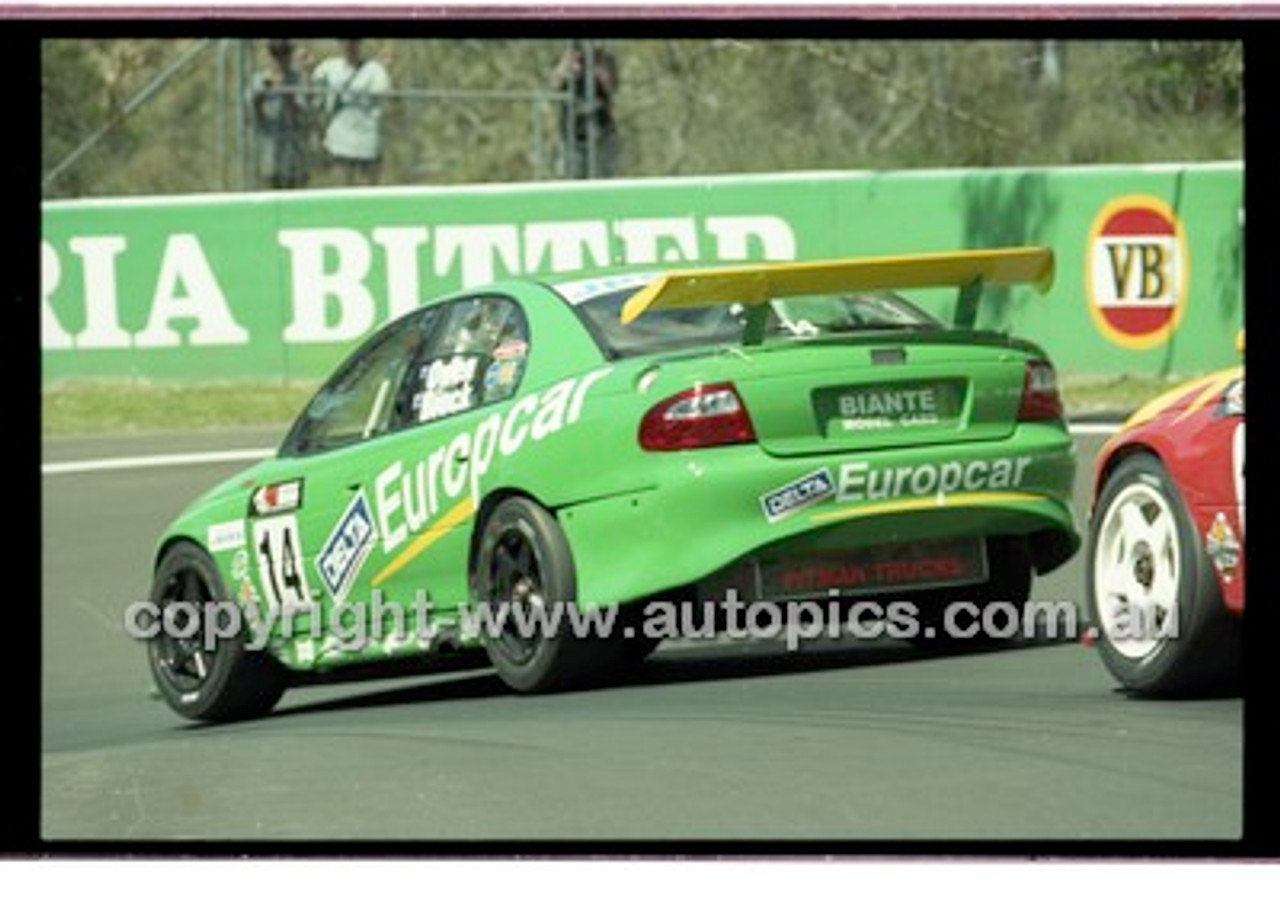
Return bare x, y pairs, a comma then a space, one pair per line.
537, 475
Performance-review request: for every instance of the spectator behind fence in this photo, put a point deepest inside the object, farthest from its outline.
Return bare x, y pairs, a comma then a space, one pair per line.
590, 101
353, 90
280, 119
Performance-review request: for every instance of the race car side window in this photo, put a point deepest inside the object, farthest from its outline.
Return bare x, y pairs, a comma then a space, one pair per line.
477, 357
357, 403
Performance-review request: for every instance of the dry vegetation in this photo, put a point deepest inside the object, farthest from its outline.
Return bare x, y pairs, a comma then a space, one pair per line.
685, 107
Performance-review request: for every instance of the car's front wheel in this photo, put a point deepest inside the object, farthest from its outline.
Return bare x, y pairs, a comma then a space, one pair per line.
526, 586
201, 674
1162, 628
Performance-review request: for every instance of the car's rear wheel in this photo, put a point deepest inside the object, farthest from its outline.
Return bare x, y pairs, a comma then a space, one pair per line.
1162, 628
525, 578
199, 673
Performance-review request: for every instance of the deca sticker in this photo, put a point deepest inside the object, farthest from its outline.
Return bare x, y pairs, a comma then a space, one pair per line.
1137, 269
799, 494
347, 548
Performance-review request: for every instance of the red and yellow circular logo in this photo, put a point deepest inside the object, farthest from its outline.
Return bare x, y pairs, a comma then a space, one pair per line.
1137, 269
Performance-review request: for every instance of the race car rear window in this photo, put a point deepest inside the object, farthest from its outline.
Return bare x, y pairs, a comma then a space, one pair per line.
792, 319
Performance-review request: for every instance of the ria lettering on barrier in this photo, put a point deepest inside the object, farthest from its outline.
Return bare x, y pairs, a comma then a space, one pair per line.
331, 272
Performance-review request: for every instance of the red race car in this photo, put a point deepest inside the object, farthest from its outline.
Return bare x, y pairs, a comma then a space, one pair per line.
1166, 559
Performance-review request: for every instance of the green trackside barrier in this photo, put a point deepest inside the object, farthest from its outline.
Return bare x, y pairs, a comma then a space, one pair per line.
281, 285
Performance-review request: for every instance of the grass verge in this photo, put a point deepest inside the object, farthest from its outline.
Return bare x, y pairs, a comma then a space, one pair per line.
1111, 396
99, 407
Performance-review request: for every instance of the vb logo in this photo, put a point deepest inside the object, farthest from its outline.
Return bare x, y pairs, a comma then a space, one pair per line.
1136, 273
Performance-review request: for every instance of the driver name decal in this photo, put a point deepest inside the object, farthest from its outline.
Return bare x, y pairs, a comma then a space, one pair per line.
447, 388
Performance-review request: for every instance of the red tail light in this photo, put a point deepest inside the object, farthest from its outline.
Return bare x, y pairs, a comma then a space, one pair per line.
707, 415
1040, 400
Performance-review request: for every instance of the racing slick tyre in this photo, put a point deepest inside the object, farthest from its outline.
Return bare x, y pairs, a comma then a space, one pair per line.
1162, 628
525, 576
203, 676
968, 615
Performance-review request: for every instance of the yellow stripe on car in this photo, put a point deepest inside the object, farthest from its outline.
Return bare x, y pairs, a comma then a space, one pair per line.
448, 521
1208, 387
937, 501
1216, 385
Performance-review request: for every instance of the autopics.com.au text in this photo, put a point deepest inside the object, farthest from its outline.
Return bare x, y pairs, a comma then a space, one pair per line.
352, 626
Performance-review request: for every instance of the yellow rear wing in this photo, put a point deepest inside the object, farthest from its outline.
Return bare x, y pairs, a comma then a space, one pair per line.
758, 283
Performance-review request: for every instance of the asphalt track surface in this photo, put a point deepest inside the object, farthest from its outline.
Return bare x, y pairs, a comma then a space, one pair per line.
840, 742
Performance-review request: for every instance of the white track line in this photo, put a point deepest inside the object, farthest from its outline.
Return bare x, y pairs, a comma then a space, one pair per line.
1094, 429
132, 462
125, 463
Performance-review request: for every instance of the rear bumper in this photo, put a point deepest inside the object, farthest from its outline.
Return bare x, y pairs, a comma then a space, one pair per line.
719, 506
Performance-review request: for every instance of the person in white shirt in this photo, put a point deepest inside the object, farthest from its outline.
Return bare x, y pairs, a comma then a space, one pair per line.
353, 91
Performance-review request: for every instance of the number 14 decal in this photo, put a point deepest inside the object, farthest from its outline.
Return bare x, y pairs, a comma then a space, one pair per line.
280, 570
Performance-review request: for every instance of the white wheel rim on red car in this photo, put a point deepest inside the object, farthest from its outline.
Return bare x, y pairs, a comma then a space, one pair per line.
1137, 571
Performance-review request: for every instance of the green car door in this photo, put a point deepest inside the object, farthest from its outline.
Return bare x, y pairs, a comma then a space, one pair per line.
372, 538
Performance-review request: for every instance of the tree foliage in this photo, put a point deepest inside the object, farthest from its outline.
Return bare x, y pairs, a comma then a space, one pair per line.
684, 107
